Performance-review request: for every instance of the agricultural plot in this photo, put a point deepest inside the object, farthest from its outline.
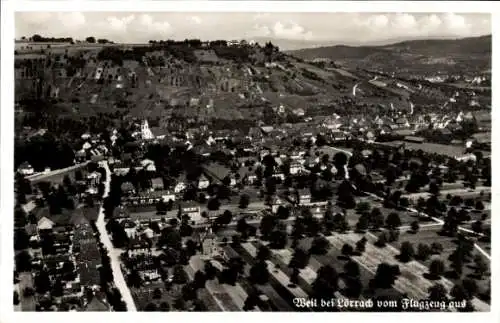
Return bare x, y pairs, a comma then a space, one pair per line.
412, 279
27, 302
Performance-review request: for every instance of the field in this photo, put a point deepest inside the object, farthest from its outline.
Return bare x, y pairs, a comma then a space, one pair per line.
429, 235
432, 148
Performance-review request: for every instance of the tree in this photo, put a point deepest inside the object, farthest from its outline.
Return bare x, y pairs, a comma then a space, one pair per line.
361, 245
423, 252
267, 225
189, 292
161, 208
415, 226
210, 270
393, 235
347, 250
471, 287
164, 307
299, 260
179, 304
42, 282
213, 204
437, 293
481, 265
264, 253
457, 262
23, 261
58, 288
436, 248
382, 240
477, 227
393, 220
180, 276
259, 273
16, 298
283, 212
157, 293
225, 218
354, 288
340, 223
376, 219
362, 224
19, 217
319, 246
326, 283
90, 39
351, 269
436, 268
363, 207
151, 307
458, 292
384, 276
250, 302
278, 239
134, 279
21, 239
406, 252
244, 201
199, 280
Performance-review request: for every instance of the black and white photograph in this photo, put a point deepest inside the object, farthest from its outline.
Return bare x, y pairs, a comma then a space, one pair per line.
168, 161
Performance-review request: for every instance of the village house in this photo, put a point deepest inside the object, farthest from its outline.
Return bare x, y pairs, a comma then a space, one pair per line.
157, 184
181, 185
26, 169
275, 203
304, 197
295, 167
203, 182
148, 165
127, 188
130, 228
121, 169
191, 209
149, 198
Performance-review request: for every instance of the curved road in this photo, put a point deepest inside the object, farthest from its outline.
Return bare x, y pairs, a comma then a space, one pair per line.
113, 254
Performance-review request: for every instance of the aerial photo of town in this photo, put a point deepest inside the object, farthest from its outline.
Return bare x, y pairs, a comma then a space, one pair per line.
225, 162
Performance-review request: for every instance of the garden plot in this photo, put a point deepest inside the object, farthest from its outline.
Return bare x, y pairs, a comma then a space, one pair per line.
279, 303
277, 274
218, 291
411, 280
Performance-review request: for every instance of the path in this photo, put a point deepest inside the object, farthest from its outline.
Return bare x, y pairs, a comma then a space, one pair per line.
39, 176
354, 89
119, 280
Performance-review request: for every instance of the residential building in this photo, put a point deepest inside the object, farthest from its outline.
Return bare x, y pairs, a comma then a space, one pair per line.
190, 209
26, 169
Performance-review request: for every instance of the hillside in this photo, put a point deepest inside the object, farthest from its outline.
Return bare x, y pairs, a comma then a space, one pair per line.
469, 54
207, 81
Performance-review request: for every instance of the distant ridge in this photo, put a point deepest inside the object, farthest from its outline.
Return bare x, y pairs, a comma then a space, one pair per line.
428, 46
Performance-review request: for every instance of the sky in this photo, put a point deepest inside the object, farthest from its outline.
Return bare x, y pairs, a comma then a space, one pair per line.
299, 28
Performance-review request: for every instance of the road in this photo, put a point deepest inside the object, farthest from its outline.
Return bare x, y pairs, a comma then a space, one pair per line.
40, 176
354, 89
114, 256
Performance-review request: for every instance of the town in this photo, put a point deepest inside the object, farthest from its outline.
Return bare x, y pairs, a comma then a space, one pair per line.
233, 176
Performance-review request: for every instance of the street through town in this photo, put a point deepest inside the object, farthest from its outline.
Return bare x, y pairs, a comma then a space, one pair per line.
114, 256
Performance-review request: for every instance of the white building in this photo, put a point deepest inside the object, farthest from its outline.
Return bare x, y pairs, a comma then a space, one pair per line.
25, 169
146, 133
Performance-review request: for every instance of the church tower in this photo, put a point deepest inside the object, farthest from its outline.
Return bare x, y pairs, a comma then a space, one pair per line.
146, 133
